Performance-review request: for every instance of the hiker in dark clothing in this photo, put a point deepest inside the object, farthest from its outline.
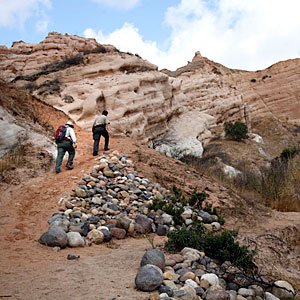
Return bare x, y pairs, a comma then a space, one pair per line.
100, 129
67, 145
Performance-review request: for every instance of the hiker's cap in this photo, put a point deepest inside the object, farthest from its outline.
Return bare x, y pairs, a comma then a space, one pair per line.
70, 123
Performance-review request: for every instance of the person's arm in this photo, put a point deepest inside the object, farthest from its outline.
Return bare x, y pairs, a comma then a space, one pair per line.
73, 137
107, 122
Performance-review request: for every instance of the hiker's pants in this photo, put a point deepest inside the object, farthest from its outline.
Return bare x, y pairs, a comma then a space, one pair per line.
62, 148
96, 136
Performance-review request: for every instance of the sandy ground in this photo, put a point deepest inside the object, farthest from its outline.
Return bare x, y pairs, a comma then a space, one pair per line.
29, 270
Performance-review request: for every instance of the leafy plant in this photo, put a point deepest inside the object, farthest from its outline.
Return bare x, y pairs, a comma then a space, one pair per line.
237, 131
222, 246
197, 199
213, 211
180, 238
288, 153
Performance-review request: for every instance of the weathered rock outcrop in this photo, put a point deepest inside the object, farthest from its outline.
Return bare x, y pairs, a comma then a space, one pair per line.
164, 109
81, 78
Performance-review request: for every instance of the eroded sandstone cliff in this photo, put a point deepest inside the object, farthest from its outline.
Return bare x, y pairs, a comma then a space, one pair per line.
165, 109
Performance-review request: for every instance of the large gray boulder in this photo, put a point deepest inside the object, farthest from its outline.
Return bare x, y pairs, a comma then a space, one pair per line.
154, 257
148, 278
54, 237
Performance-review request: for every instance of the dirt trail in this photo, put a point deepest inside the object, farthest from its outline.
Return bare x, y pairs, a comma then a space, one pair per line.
29, 270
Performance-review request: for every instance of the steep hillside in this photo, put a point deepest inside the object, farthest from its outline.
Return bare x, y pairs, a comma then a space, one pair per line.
27, 203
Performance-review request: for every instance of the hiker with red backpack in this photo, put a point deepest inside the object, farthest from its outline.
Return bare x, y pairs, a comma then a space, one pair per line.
66, 142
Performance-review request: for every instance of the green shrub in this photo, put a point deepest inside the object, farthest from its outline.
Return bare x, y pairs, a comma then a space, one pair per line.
213, 211
180, 238
197, 199
237, 131
288, 153
222, 246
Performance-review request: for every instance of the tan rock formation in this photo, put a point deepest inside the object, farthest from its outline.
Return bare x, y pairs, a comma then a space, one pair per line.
25, 58
81, 78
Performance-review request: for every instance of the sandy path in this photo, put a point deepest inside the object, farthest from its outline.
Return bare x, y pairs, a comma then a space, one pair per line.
29, 270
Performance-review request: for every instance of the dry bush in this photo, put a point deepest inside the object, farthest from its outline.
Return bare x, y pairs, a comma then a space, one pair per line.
13, 159
278, 186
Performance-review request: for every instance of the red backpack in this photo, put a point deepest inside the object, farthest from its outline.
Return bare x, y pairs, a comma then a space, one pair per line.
60, 133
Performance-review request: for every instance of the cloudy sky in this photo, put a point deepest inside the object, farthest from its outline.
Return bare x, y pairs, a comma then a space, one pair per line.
243, 34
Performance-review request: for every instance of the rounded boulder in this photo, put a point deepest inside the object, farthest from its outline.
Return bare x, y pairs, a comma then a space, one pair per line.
154, 257
148, 278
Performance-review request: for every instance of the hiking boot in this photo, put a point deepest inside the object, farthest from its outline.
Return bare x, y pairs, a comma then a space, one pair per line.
57, 171
70, 167
95, 154
106, 149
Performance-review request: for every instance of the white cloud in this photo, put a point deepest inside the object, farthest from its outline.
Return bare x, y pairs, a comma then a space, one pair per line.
14, 13
127, 39
248, 34
119, 4
42, 26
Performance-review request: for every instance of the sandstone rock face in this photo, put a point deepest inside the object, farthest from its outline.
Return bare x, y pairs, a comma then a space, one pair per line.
174, 112
221, 94
25, 58
69, 73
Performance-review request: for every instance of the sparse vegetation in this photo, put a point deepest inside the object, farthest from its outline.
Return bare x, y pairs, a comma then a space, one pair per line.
280, 184
277, 185
222, 246
13, 159
49, 87
99, 49
237, 131
216, 71
174, 205
213, 211
53, 67
288, 153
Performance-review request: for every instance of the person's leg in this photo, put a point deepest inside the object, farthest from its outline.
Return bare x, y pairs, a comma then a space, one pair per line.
71, 151
96, 144
60, 156
106, 137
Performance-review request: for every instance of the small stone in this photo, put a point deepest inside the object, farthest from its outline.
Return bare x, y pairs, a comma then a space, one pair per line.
75, 239
170, 284
190, 254
246, 292
269, 296
72, 257
168, 275
94, 212
186, 276
191, 283
80, 192
216, 226
96, 236
118, 233
217, 295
